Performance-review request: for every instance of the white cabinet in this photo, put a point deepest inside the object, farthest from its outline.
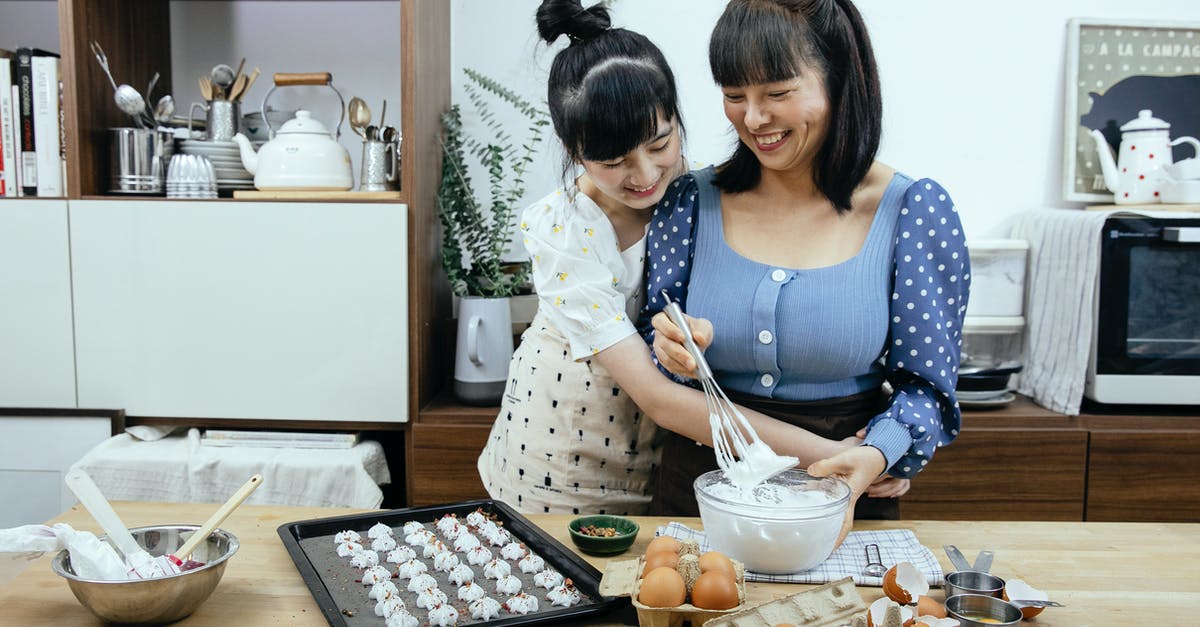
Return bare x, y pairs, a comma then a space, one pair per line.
252, 310
37, 360
35, 453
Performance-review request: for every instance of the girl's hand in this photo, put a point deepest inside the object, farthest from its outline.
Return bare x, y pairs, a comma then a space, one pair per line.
859, 467
668, 343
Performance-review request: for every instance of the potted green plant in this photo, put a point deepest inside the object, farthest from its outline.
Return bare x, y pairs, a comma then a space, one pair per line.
477, 226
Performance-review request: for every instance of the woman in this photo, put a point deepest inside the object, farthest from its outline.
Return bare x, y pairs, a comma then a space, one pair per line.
812, 273
569, 436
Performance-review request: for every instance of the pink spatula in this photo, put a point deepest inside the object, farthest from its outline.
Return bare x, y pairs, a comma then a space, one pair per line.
180, 557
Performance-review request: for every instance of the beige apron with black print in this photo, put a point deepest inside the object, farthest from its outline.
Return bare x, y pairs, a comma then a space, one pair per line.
567, 439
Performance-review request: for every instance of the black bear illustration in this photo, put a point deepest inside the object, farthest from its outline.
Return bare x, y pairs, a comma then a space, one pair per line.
1173, 99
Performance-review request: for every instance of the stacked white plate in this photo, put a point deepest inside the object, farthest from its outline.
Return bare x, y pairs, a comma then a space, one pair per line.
226, 160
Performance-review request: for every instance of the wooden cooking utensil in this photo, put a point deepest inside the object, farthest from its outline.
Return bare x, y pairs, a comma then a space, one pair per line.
206, 88
182, 553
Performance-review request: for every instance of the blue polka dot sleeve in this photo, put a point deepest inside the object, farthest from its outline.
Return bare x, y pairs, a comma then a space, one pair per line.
932, 276
669, 241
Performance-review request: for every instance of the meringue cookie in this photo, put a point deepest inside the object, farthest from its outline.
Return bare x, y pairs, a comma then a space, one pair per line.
380, 590
445, 562
532, 564
471, 592
443, 616
412, 527
389, 606
421, 582
548, 579
466, 542
445, 522
348, 549
411, 569
365, 558
496, 569
430, 598
486, 608
476, 519
402, 619
379, 529
565, 595
513, 551
383, 543
521, 604
374, 575
479, 556
346, 536
401, 554
461, 574
420, 537
508, 584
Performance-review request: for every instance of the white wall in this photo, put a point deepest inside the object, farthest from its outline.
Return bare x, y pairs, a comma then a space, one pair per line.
973, 91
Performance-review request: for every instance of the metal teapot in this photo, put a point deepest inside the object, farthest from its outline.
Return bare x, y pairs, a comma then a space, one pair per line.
302, 154
1137, 175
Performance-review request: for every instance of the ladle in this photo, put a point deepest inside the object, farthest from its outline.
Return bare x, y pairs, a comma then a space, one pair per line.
360, 116
165, 109
222, 76
130, 101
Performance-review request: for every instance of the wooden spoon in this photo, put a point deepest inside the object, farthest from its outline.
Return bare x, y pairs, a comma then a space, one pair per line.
206, 86
239, 85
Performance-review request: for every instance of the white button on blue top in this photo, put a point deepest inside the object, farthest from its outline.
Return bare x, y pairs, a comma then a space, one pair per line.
778, 275
767, 380
765, 336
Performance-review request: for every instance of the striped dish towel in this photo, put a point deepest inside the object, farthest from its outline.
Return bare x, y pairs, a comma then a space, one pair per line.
848, 560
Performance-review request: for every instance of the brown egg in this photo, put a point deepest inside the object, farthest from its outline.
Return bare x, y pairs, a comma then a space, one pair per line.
903, 583
661, 558
715, 590
663, 543
715, 560
662, 587
930, 607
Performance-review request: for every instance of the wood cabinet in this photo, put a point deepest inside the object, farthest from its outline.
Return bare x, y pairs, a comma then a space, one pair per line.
1143, 468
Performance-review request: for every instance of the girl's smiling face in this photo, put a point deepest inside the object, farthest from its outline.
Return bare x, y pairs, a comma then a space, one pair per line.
638, 179
783, 122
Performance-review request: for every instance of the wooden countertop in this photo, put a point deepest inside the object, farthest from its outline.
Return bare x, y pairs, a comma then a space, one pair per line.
1106, 573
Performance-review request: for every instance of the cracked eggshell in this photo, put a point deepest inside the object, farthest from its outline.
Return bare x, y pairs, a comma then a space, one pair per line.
903, 583
927, 606
877, 614
934, 621
1018, 589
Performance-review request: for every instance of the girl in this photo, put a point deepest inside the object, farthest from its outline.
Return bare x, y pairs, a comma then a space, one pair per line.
569, 436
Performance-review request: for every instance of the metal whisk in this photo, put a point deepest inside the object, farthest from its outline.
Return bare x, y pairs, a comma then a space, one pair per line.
746, 460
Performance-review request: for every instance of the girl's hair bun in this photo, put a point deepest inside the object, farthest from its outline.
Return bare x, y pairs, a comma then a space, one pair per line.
568, 17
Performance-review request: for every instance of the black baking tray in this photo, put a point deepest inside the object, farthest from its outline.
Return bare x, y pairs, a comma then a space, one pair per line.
584, 576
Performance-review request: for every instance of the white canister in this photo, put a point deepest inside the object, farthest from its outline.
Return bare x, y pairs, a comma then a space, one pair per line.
997, 277
483, 349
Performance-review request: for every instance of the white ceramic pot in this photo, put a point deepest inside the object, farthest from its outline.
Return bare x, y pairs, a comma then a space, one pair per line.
483, 349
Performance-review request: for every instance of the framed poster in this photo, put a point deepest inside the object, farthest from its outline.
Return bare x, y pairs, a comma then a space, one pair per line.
1116, 68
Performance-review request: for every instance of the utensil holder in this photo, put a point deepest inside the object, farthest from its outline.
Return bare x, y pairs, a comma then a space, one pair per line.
222, 118
138, 159
380, 166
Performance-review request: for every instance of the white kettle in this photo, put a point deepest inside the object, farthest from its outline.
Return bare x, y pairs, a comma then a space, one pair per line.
1137, 175
302, 154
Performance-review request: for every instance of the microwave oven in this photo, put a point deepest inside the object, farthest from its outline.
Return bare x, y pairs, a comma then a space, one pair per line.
1146, 343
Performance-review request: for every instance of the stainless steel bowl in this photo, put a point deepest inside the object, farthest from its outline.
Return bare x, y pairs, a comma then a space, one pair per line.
973, 582
158, 600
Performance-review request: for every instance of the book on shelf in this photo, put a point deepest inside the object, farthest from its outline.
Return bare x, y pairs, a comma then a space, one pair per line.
277, 439
47, 125
8, 155
27, 132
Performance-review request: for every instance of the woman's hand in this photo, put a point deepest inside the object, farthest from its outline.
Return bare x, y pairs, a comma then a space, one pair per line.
668, 343
888, 487
859, 467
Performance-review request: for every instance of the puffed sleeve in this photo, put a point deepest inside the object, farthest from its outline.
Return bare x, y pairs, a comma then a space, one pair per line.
931, 280
576, 269
669, 251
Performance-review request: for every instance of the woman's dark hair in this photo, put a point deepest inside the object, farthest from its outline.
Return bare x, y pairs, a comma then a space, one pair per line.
608, 87
764, 41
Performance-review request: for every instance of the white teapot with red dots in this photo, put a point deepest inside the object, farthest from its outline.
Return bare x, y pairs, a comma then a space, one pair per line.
1137, 176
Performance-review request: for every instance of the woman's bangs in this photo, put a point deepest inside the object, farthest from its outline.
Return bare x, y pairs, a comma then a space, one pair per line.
750, 48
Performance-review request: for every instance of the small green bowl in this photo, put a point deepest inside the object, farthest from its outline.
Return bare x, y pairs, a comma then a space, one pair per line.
627, 532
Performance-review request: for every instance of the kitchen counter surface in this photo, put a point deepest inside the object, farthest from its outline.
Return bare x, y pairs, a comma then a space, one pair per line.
1106, 573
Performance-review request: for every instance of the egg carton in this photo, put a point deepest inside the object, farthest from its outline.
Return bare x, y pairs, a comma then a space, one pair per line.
835, 604
623, 578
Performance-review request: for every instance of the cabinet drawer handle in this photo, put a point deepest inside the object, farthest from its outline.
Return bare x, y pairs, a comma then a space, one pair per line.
303, 78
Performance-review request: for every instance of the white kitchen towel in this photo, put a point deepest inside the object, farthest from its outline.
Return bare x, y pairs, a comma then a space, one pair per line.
178, 469
848, 560
1064, 263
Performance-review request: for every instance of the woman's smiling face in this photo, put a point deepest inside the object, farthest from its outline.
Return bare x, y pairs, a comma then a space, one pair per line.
638, 179
783, 122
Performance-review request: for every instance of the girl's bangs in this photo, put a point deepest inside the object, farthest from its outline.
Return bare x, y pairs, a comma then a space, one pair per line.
619, 111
